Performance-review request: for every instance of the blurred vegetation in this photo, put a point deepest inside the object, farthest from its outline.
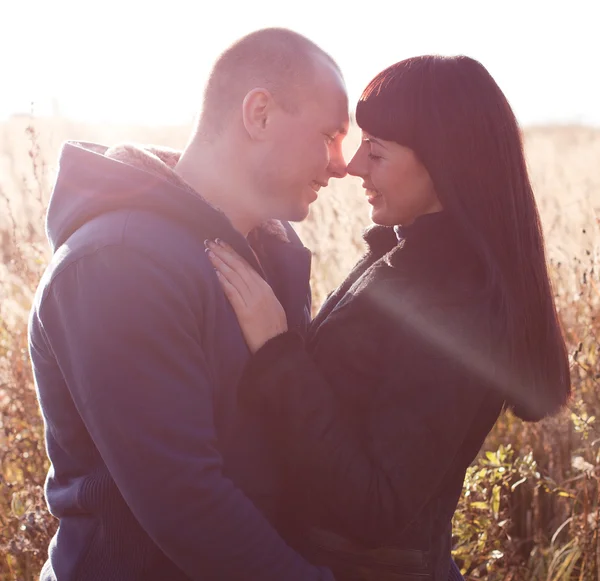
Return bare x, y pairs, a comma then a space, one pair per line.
530, 508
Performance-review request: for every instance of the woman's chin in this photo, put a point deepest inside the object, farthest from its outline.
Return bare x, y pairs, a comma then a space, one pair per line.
379, 217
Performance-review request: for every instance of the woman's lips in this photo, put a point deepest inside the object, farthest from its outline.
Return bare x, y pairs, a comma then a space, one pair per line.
373, 196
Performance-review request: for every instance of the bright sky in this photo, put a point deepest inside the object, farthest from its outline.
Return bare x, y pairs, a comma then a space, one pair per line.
145, 61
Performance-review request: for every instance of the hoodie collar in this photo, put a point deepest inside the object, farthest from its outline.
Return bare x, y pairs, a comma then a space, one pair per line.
94, 179
161, 161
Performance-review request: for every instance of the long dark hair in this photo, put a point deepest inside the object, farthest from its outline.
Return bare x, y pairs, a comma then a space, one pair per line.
453, 115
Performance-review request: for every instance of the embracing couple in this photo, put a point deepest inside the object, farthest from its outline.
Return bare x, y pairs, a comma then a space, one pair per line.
200, 426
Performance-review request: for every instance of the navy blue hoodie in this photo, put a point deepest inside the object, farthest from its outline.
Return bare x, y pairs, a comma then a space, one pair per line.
155, 474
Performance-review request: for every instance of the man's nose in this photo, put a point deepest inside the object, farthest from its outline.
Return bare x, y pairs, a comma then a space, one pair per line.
337, 166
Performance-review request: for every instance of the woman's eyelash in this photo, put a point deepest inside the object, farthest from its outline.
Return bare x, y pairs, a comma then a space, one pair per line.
372, 156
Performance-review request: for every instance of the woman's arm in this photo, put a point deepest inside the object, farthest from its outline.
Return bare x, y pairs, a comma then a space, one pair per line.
421, 402
376, 480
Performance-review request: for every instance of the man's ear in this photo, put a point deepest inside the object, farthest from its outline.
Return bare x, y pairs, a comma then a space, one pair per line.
256, 108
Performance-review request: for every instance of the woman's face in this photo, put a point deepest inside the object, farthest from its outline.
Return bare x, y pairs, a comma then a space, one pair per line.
397, 184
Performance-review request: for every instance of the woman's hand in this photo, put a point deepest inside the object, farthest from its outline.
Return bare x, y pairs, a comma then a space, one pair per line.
259, 313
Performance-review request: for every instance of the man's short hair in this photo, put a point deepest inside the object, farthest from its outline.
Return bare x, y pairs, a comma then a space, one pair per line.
277, 59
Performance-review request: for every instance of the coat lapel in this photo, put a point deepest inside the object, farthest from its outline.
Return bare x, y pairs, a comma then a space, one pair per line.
287, 270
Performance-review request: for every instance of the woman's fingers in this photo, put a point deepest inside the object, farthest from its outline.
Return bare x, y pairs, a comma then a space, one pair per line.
232, 294
233, 277
259, 313
235, 262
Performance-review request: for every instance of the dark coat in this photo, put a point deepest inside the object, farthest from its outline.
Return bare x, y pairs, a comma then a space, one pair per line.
155, 474
379, 415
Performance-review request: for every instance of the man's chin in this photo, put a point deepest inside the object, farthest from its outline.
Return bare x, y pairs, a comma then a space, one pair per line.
298, 214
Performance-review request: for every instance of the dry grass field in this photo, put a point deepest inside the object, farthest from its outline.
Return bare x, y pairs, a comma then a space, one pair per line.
531, 503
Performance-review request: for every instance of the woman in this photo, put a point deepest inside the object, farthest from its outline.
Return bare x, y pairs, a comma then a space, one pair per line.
448, 318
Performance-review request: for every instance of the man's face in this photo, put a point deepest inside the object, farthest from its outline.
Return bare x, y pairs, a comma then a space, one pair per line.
305, 148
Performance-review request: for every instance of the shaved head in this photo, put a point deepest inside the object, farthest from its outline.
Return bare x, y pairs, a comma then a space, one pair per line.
270, 133
276, 59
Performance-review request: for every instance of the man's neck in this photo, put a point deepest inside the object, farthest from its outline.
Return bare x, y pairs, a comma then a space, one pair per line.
212, 173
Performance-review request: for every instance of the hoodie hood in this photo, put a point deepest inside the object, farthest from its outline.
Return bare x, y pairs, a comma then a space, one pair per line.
94, 179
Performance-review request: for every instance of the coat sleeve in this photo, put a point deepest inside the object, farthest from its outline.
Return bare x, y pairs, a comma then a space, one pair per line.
377, 471
128, 344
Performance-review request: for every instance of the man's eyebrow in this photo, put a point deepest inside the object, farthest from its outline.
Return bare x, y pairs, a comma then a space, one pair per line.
341, 131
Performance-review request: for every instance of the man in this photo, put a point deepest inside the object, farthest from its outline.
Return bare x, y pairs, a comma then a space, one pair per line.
155, 474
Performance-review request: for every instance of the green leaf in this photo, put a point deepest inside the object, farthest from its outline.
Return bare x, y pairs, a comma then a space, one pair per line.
480, 505
496, 501
492, 457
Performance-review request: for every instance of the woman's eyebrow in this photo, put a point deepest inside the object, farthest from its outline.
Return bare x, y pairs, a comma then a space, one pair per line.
375, 141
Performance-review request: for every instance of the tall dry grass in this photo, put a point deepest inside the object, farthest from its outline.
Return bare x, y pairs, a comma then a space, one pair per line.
530, 508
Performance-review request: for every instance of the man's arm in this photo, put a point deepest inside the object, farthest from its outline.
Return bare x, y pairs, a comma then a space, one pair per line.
127, 342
